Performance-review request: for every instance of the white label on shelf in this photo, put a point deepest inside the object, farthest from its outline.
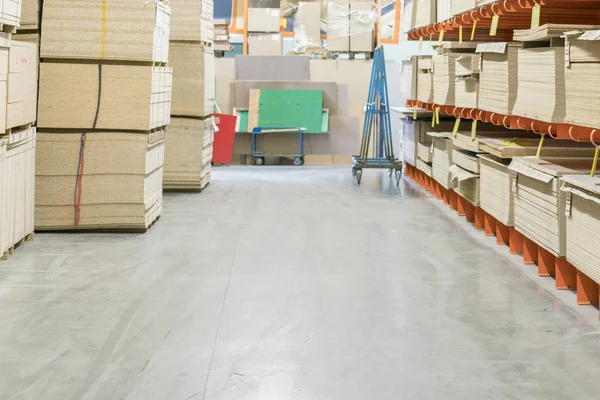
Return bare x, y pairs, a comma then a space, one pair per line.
514, 184
499, 48
568, 204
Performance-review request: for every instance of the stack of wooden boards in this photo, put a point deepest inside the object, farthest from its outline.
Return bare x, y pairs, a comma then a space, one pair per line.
188, 153
332, 135
221, 36
104, 105
18, 108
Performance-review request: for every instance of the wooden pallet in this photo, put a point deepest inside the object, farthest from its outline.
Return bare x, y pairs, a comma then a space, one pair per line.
11, 250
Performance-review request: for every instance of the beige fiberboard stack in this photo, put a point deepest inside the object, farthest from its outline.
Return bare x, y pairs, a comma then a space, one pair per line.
104, 105
188, 153
581, 79
423, 13
424, 78
467, 80
18, 85
539, 202
498, 79
582, 223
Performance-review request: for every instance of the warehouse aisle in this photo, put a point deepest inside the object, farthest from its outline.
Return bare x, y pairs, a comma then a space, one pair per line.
281, 283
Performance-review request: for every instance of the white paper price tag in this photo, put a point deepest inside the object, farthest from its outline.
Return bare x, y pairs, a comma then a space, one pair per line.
568, 204
514, 184
567, 53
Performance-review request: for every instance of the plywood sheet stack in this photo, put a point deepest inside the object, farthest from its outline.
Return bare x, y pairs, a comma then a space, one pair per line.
188, 151
583, 100
104, 105
498, 79
583, 223
541, 77
539, 202
467, 80
28, 30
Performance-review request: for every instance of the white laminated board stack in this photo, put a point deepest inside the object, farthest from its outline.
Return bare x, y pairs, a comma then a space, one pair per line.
105, 101
583, 223
188, 154
539, 202
188, 148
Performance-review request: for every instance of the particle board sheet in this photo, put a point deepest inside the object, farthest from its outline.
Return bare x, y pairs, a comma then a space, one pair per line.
465, 184
109, 30
188, 151
132, 97
539, 203
193, 79
584, 47
241, 91
22, 84
466, 160
425, 167
548, 31
498, 80
10, 12
444, 79
541, 87
423, 13
442, 160
30, 14
17, 176
120, 183
461, 6
513, 147
192, 20
272, 68
496, 196
583, 223
583, 94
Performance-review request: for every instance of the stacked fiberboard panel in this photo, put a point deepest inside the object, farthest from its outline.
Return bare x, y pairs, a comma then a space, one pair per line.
498, 80
104, 104
188, 153
467, 80
18, 85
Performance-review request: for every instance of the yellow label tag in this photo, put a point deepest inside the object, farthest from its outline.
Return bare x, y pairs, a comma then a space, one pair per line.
535, 16
539, 150
494, 27
595, 164
460, 34
473, 30
441, 38
421, 43
437, 115
430, 37
456, 126
474, 130
433, 120
415, 114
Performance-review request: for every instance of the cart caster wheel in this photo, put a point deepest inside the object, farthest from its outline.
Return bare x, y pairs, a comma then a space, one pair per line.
358, 176
259, 160
391, 172
298, 161
353, 172
398, 177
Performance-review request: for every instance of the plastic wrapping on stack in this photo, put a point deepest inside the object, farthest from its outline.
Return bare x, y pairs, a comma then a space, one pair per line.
102, 124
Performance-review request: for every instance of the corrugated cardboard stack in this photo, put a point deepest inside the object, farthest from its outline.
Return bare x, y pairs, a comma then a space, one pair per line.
583, 223
18, 109
465, 175
539, 202
498, 79
583, 100
424, 79
496, 195
104, 105
442, 158
444, 78
188, 151
467, 80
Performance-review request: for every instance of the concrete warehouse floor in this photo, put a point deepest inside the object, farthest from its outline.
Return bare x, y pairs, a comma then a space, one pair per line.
290, 283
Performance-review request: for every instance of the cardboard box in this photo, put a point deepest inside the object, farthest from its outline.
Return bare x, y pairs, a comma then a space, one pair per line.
264, 44
74, 30
338, 27
263, 20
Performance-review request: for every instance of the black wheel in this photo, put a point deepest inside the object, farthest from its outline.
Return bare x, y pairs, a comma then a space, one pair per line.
259, 160
398, 177
358, 176
391, 172
298, 161
353, 172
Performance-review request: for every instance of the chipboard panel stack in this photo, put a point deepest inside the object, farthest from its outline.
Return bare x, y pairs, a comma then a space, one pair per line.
104, 104
188, 152
18, 84
28, 30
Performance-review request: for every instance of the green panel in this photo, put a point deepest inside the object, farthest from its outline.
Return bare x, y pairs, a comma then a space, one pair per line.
297, 108
243, 116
